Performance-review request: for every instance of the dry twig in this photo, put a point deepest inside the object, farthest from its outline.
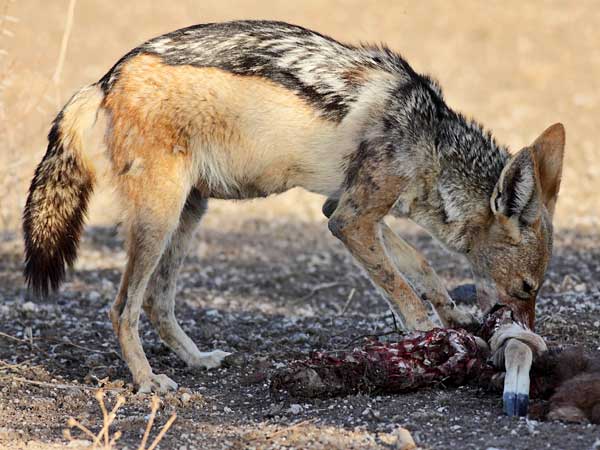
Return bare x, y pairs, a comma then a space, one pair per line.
348, 301
320, 287
13, 338
109, 418
291, 427
6, 366
63, 48
162, 432
67, 341
155, 404
59, 385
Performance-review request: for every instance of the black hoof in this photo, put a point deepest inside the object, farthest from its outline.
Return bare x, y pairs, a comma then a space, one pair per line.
515, 404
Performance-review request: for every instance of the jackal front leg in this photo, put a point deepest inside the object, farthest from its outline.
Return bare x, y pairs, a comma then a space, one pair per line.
424, 279
358, 223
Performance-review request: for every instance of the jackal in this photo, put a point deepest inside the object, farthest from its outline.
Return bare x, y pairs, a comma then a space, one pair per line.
252, 108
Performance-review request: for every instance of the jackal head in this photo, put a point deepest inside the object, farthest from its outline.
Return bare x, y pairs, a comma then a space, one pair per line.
510, 257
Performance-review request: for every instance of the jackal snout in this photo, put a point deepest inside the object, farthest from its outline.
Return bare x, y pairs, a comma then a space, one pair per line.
512, 254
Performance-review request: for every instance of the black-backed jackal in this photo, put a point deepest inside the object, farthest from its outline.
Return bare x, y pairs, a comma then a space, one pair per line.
245, 109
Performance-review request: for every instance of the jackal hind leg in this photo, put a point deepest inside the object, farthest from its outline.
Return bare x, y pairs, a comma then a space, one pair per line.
153, 212
159, 301
358, 222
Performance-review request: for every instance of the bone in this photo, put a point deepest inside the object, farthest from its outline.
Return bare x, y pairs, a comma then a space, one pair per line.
518, 358
518, 332
514, 347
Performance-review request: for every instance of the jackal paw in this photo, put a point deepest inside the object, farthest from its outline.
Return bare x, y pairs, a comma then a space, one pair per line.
209, 360
157, 383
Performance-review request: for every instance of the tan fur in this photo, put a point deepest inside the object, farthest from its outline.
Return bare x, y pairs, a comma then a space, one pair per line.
240, 135
174, 128
358, 222
506, 227
423, 279
159, 298
516, 252
511, 263
79, 117
78, 121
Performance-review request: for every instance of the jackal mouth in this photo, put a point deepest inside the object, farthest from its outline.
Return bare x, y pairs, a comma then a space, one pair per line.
523, 310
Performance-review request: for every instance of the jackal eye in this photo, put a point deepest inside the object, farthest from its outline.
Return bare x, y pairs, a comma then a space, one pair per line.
528, 287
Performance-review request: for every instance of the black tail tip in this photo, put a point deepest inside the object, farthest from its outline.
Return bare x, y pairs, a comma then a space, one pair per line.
44, 274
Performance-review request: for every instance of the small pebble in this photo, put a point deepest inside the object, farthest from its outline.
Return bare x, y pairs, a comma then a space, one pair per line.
29, 307
295, 408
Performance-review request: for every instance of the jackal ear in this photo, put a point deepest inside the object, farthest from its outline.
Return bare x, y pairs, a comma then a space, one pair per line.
548, 151
516, 195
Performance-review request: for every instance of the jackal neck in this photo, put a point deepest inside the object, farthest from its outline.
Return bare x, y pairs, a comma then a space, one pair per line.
457, 169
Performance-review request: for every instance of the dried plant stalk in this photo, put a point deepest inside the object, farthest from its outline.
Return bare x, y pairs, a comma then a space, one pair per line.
107, 420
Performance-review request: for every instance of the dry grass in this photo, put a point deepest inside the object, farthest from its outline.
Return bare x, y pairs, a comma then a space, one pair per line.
103, 439
9, 164
516, 66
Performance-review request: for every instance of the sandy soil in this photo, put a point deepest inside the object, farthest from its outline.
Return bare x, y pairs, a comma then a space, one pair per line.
249, 284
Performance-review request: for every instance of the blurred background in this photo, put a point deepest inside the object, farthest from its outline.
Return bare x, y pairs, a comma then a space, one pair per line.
515, 66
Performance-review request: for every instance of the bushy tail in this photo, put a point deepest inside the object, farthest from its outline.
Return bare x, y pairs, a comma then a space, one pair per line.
58, 195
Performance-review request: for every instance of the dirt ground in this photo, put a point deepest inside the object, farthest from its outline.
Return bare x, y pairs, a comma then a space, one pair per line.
265, 280
252, 287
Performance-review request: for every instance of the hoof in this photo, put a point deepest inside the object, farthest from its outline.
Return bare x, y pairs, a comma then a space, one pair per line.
515, 404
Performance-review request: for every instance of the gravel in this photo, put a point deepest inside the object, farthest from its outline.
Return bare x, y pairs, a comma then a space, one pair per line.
269, 292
